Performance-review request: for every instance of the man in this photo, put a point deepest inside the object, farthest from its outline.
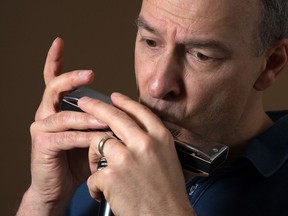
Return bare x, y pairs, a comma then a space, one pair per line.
201, 64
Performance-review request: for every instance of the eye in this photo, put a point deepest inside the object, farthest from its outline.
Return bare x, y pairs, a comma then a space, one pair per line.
198, 55
201, 56
151, 43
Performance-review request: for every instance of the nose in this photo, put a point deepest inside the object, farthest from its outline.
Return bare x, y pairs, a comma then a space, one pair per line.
166, 81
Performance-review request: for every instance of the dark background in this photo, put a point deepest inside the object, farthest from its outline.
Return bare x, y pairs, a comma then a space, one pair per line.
98, 35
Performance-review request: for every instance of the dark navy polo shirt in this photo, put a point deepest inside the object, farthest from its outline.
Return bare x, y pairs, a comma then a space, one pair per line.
255, 184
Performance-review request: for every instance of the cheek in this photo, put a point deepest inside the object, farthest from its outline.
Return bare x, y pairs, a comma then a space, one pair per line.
217, 91
209, 107
202, 99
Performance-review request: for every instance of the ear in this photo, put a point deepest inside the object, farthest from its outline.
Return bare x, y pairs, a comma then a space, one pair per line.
275, 62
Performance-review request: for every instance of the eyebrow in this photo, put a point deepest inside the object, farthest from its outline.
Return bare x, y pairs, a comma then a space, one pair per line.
142, 23
196, 43
209, 43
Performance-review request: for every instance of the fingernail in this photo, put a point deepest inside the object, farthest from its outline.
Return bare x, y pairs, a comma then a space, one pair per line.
117, 94
84, 73
84, 100
55, 40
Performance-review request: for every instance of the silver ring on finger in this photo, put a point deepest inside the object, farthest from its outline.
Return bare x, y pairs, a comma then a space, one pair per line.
102, 143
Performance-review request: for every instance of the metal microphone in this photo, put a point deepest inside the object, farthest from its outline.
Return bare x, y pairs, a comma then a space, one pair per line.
104, 209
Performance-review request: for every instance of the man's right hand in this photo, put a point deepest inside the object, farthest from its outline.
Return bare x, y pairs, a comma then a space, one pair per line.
59, 143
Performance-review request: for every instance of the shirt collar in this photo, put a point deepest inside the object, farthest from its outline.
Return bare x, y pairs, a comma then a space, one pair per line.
269, 151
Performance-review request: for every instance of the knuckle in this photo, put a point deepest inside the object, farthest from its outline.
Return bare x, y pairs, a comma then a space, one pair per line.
39, 112
64, 117
60, 119
67, 137
88, 107
92, 187
49, 123
72, 78
95, 103
33, 127
39, 140
118, 114
148, 145
59, 85
38, 137
165, 136
51, 88
124, 158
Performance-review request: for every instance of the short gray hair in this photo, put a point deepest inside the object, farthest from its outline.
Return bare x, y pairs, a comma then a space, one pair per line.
274, 24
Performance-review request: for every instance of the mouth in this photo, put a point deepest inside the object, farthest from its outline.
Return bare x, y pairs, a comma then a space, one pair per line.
155, 108
164, 111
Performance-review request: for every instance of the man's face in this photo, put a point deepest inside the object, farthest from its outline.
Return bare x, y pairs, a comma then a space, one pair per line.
196, 62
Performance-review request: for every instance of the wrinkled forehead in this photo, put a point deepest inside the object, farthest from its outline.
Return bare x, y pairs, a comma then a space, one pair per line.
185, 13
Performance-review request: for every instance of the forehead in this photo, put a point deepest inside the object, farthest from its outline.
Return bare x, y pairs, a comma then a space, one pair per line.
190, 16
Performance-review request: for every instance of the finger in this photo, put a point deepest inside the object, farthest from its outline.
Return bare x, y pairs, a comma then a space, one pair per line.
145, 117
55, 143
54, 60
100, 182
116, 119
93, 185
68, 120
113, 150
58, 86
135, 118
138, 112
